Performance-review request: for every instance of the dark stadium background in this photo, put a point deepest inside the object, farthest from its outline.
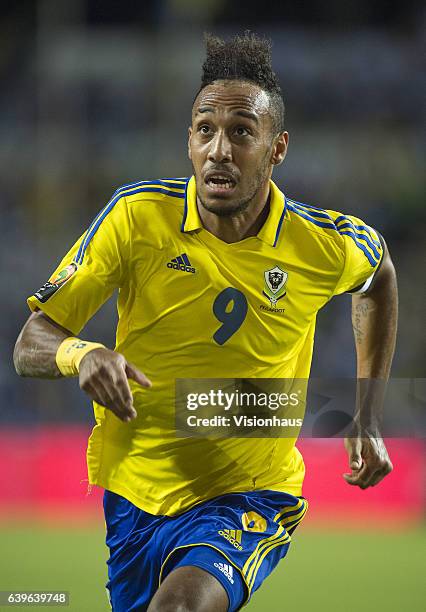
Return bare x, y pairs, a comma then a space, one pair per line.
98, 93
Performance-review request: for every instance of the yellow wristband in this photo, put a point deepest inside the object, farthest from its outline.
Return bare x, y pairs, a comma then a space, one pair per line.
70, 353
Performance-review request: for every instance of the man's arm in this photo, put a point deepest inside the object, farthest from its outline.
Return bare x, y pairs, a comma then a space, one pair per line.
37, 345
374, 321
103, 373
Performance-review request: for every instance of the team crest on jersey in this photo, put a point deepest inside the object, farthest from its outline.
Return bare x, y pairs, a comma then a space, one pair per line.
54, 282
274, 288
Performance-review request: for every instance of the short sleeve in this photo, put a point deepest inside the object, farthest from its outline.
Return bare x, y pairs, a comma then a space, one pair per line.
90, 272
363, 250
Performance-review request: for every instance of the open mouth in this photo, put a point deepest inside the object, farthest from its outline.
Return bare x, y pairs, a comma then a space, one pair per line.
220, 182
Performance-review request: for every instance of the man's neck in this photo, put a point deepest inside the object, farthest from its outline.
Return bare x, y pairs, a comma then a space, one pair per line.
233, 229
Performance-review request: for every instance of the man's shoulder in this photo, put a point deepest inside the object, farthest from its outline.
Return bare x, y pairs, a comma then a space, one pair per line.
156, 190
320, 220
131, 201
319, 223
149, 206
336, 226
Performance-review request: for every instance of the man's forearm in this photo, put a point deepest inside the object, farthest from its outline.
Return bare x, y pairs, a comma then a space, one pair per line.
103, 374
36, 347
374, 320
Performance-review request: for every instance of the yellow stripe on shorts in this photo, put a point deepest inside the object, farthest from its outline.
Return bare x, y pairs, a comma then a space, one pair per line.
255, 568
288, 509
281, 537
294, 517
258, 550
265, 541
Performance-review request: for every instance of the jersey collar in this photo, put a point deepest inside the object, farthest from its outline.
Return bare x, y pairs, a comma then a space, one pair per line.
270, 230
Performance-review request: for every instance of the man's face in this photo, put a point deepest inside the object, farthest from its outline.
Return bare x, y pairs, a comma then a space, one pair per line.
232, 146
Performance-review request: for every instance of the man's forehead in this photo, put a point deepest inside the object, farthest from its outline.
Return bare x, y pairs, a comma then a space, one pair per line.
232, 95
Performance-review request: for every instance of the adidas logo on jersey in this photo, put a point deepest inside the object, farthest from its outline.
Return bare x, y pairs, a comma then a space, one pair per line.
226, 569
233, 536
181, 263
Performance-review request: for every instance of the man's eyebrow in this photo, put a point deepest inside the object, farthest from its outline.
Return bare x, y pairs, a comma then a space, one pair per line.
247, 115
205, 109
240, 113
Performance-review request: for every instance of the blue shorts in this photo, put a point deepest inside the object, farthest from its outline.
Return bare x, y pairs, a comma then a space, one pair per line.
238, 538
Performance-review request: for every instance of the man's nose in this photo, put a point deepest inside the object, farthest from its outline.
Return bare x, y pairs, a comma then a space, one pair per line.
220, 148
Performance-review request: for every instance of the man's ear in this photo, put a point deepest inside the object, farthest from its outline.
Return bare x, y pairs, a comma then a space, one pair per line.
189, 142
279, 149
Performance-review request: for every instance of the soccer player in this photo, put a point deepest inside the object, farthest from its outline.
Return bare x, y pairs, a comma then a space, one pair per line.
219, 275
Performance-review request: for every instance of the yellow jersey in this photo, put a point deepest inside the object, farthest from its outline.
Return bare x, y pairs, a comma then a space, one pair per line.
175, 279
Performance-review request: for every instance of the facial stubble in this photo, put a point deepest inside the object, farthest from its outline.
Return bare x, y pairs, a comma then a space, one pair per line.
240, 206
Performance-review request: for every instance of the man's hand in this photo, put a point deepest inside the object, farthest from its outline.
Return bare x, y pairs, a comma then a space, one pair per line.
103, 376
368, 460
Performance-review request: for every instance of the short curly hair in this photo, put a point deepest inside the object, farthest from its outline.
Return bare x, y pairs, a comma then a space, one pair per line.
244, 58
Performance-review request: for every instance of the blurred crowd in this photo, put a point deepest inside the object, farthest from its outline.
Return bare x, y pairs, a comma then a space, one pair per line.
97, 94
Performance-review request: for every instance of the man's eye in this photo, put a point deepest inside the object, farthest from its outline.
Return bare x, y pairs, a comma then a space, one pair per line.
204, 129
241, 131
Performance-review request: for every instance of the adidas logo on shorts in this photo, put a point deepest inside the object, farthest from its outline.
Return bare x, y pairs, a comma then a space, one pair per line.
233, 536
226, 569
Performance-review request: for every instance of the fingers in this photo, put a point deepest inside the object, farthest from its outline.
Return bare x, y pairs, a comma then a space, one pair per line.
108, 396
368, 478
357, 477
121, 399
379, 475
375, 464
125, 394
354, 446
104, 377
138, 376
